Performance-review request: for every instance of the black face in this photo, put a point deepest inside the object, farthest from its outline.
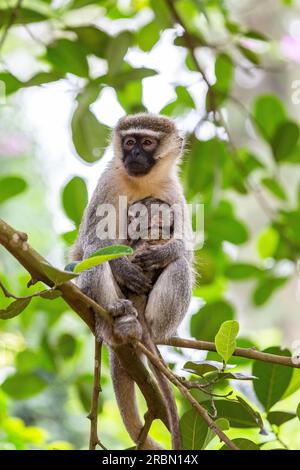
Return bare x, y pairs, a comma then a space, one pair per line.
138, 154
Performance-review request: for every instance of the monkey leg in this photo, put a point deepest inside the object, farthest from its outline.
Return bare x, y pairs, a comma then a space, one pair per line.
102, 286
169, 299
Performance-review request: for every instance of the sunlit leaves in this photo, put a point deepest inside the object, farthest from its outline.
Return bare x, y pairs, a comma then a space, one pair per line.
11, 186
267, 242
273, 379
225, 339
89, 135
75, 198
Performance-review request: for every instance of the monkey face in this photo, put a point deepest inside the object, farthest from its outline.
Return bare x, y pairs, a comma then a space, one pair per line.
138, 153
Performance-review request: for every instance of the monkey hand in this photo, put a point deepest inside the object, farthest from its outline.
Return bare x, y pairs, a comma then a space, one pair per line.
126, 326
156, 257
130, 275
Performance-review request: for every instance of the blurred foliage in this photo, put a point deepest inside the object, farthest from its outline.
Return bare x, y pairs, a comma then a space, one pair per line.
46, 353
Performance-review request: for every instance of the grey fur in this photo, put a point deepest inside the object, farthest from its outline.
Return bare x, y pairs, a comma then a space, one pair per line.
170, 296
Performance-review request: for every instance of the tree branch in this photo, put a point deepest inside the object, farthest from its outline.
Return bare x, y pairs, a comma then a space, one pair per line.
93, 415
249, 353
16, 243
184, 391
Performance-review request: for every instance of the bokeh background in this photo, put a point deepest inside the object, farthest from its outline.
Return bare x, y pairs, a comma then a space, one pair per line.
228, 73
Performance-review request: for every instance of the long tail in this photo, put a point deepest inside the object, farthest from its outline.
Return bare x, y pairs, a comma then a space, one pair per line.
125, 395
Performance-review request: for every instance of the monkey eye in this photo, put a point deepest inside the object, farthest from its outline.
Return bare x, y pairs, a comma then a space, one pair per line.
149, 143
130, 142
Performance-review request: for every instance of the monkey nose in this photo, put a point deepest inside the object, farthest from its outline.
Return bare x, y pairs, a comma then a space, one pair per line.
136, 152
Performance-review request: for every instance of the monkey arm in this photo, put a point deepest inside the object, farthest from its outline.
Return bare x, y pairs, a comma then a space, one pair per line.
160, 256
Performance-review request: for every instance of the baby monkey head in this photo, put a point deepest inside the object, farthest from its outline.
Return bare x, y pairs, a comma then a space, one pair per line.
142, 141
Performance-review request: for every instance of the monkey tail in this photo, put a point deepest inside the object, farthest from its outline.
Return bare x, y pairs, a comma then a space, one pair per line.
125, 396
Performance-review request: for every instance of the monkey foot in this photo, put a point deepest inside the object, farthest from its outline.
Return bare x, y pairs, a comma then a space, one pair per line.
126, 326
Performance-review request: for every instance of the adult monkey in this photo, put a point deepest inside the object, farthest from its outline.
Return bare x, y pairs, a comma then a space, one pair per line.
147, 149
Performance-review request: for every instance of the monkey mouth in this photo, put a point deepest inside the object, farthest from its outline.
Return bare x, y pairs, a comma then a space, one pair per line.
136, 169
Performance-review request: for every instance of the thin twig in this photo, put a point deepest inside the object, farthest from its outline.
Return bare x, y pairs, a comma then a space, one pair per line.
36, 294
249, 353
93, 415
197, 406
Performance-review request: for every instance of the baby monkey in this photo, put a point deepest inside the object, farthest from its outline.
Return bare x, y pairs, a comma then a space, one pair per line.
150, 223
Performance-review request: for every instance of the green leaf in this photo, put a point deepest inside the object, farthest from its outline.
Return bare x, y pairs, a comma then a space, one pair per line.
12, 84
224, 71
193, 430
94, 40
27, 361
116, 50
269, 113
24, 16
89, 135
148, 36
267, 242
298, 411
202, 367
183, 103
243, 444
222, 228
66, 345
70, 236
68, 57
56, 275
279, 417
163, 16
226, 339
285, 140
223, 424
240, 271
265, 289
23, 386
206, 323
235, 413
101, 256
51, 294
275, 187
273, 380
14, 309
11, 186
75, 199
249, 54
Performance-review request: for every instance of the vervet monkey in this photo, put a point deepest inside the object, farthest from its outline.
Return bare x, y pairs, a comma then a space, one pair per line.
147, 149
